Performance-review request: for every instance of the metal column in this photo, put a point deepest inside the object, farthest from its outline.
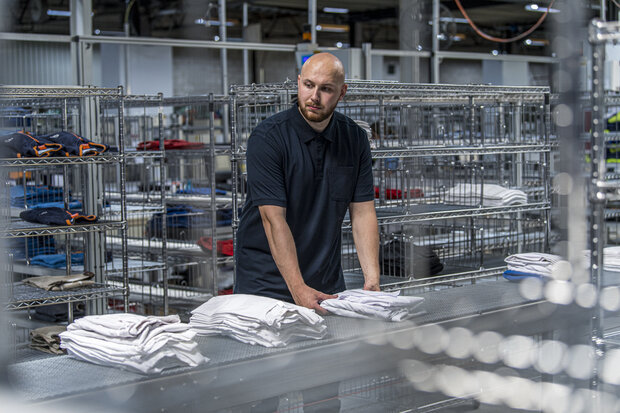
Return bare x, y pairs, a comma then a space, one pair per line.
312, 20
81, 53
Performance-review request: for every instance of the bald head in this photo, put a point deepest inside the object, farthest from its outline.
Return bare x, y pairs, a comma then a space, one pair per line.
327, 64
320, 87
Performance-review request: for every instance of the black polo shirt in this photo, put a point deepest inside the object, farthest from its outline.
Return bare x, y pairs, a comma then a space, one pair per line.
314, 176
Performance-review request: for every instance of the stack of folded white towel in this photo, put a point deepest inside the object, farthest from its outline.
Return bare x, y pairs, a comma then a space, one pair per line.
133, 342
258, 320
533, 263
611, 258
381, 305
492, 195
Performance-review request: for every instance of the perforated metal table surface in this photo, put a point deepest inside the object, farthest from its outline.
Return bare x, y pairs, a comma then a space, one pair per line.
236, 371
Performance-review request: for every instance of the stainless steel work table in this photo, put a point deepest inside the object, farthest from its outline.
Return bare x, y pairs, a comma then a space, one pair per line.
239, 373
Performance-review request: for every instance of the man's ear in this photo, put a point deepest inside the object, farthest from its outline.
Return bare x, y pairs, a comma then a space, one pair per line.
343, 91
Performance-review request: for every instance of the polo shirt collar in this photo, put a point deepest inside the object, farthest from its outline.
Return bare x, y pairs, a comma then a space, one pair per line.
307, 133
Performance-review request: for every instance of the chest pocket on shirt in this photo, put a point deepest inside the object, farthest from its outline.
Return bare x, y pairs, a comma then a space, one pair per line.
341, 183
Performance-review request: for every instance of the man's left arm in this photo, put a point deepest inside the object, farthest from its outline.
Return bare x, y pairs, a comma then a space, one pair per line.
366, 238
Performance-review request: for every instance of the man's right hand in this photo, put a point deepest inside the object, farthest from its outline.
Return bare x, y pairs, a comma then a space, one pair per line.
310, 298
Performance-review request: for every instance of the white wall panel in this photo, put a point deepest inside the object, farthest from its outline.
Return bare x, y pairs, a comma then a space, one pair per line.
35, 63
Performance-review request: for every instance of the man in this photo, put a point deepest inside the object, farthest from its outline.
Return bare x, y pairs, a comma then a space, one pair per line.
306, 166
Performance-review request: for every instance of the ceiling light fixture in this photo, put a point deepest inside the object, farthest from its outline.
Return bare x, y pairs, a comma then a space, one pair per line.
59, 13
333, 28
535, 7
536, 42
335, 10
212, 22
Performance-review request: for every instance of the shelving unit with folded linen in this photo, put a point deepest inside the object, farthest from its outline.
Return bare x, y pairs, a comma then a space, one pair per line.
461, 173
145, 198
55, 212
611, 131
196, 222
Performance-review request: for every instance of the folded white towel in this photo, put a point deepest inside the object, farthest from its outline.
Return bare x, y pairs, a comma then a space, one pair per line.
533, 262
372, 304
489, 194
132, 342
258, 320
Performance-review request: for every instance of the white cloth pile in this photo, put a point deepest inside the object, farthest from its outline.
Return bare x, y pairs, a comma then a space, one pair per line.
133, 342
611, 258
536, 263
492, 195
258, 320
381, 305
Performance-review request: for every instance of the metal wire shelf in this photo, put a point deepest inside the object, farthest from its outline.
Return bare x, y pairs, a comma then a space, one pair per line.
69, 160
59, 91
59, 230
26, 296
465, 212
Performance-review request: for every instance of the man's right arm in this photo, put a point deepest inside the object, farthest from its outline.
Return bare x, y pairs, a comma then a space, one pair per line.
283, 251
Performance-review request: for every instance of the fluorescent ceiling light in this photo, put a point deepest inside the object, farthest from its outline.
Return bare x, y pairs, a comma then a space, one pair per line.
59, 13
451, 20
333, 28
535, 42
335, 10
540, 9
212, 22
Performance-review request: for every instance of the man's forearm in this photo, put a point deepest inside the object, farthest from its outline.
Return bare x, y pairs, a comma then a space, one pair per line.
284, 253
366, 238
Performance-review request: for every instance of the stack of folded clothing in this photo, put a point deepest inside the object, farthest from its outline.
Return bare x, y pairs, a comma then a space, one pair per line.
55, 216
74, 144
198, 190
23, 144
402, 259
398, 194
57, 260
47, 339
491, 195
611, 258
530, 264
185, 222
389, 306
33, 246
258, 320
224, 247
169, 144
32, 195
133, 342
61, 282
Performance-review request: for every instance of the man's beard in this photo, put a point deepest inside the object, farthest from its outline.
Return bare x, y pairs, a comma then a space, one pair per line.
316, 116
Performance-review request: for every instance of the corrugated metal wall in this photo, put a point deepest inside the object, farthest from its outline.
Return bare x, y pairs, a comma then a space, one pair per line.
35, 63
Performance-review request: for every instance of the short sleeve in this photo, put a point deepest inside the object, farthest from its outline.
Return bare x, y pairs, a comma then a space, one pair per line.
364, 188
266, 184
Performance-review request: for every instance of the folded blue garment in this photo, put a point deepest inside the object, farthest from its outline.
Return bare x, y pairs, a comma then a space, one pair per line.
32, 195
58, 204
36, 246
57, 260
200, 191
512, 275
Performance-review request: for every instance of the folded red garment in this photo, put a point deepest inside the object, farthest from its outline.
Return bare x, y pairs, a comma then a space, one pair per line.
398, 194
169, 144
224, 247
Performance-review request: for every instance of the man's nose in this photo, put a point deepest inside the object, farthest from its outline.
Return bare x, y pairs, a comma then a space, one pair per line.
315, 95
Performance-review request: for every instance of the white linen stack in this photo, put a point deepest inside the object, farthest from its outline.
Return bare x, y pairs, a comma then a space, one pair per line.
537, 263
133, 342
611, 258
381, 305
492, 195
258, 320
